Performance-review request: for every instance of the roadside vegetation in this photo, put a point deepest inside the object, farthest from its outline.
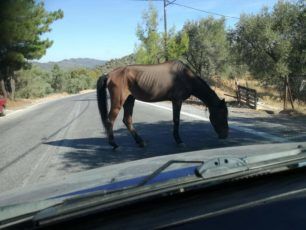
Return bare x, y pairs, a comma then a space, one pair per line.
35, 82
261, 51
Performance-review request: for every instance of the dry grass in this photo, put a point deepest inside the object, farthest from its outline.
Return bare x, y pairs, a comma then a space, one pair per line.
87, 91
20, 103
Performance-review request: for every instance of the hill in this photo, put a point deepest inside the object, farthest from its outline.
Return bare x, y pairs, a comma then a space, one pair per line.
118, 62
72, 63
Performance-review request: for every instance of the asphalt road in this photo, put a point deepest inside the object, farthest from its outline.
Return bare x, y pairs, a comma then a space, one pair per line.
64, 136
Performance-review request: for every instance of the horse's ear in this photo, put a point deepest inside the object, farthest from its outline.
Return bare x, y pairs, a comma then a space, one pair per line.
222, 103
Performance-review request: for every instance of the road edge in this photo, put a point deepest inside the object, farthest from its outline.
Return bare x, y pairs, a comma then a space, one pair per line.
31, 106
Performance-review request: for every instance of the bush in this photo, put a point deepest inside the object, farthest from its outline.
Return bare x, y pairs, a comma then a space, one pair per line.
33, 83
38, 83
76, 84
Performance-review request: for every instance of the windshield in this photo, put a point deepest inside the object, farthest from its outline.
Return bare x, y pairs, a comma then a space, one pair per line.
91, 84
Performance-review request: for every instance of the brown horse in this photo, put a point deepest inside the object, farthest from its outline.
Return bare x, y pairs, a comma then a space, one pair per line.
172, 81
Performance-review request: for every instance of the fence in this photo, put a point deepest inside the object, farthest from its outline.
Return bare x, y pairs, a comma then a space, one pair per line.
298, 87
247, 96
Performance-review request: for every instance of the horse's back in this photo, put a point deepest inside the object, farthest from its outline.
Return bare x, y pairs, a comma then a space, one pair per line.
152, 82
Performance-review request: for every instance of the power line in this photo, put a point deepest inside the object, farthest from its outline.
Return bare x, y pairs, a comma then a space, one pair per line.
169, 3
190, 7
173, 2
204, 11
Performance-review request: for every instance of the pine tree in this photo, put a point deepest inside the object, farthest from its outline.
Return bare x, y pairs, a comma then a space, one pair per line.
22, 22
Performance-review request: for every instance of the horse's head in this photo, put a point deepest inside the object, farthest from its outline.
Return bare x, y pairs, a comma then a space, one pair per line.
218, 118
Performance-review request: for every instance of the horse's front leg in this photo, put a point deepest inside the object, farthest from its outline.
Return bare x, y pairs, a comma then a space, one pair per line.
176, 107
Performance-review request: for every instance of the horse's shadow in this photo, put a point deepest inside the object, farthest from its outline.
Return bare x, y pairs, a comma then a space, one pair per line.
89, 153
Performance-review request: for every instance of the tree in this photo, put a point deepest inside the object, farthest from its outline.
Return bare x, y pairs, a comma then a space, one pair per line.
22, 24
236, 66
272, 44
59, 79
79, 79
178, 44
33, 83
208, 46
150, 49
297, 60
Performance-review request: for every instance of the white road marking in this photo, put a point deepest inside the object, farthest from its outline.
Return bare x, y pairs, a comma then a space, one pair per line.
233, 126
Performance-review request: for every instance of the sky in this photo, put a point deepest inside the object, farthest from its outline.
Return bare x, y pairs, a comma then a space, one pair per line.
106, 29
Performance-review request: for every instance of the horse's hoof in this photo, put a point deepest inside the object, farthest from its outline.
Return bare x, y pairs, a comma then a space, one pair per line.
142, 144
181, 145
114, 145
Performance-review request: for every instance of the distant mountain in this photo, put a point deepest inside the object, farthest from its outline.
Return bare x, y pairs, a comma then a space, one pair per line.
118, 62
72, 63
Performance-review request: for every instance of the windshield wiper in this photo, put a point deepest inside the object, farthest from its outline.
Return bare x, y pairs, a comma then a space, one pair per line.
209, 173
162, 168
230, 165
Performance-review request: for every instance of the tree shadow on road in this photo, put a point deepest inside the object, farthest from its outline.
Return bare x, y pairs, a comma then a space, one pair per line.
88, 153
288, 127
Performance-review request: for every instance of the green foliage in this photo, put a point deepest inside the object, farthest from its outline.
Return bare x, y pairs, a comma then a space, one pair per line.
33, 83
178, 44
151, 48
79, 80
152, 43
76, 84
59, 79
297, 57
236, 67
22, 22
272, 44
208, 46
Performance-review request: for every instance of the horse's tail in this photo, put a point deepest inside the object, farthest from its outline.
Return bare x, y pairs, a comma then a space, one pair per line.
102, 99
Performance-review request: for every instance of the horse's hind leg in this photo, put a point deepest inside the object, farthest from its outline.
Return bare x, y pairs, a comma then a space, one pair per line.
127, 119
113, 113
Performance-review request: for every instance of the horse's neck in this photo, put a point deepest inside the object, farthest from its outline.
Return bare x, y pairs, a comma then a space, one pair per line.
202, 91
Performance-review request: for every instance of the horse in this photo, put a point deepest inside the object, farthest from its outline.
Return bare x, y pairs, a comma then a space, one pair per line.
171, 80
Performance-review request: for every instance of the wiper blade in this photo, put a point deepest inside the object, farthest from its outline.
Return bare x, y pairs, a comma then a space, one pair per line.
163, 167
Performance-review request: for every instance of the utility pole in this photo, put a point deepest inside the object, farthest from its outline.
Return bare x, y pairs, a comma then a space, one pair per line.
166, 33
166, 3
